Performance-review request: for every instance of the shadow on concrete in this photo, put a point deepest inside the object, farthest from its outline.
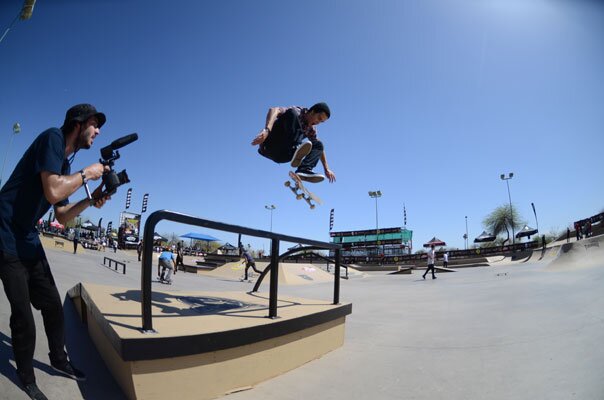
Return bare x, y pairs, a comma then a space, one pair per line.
8, 370
80, 354
99, 384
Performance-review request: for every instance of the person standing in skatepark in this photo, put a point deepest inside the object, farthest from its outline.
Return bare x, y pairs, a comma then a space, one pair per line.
431, 261
43, 178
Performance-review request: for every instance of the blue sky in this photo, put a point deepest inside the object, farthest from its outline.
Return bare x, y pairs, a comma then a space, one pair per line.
431, 101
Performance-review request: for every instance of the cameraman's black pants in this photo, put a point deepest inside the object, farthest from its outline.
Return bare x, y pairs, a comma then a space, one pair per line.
28, 283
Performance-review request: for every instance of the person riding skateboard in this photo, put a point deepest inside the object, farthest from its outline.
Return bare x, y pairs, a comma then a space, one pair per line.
249, 262
290, 135
168, 264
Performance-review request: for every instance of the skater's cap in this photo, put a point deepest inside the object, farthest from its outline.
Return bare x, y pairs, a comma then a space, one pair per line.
321, 107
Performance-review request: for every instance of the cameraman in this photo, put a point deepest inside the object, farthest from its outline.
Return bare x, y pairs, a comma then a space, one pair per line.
43, 178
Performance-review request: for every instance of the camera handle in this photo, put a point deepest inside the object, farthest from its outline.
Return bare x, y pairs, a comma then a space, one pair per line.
88, 195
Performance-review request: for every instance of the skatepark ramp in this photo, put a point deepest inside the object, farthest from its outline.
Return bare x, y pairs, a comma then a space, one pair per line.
202, 345
584, 253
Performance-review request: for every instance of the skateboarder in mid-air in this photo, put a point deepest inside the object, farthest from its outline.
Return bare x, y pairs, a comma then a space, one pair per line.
290, 136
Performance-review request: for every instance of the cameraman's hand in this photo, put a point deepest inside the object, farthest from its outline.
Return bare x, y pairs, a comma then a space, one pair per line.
97, 197
94, 171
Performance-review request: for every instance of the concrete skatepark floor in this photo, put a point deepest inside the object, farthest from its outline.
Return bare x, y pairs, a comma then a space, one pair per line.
522, 331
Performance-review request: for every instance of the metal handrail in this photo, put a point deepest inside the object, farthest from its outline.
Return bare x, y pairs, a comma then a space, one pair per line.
111, 260
147, 256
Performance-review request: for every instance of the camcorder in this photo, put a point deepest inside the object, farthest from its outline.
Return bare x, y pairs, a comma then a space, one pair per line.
111, 179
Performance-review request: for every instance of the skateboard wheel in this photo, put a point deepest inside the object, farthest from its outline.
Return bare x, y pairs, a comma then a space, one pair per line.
288, 184
299, 196
312, 206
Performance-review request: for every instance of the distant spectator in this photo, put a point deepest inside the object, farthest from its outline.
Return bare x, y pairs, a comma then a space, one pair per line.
179, 255
578, 230
445, 259
567, 235
431, 258
588, 231
75, 242
139, 249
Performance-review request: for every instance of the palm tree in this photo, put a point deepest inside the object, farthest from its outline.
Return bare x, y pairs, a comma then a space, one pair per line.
500, 220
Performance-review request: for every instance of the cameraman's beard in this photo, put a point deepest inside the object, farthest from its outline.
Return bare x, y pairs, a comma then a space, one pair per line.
83, 142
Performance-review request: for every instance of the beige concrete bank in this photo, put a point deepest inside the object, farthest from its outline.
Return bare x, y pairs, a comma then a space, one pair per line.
206, 344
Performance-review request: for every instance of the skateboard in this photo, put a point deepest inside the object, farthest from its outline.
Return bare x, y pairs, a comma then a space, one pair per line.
297, 187
249, 279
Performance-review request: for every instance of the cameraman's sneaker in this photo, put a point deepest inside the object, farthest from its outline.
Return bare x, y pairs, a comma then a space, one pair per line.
310, 176
302, 151
69, 370
34, 392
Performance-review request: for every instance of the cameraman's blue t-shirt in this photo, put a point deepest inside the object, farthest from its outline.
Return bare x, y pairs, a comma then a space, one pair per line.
22, 200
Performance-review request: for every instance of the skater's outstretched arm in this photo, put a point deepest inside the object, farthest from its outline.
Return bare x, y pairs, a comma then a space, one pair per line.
271, 117
328, 173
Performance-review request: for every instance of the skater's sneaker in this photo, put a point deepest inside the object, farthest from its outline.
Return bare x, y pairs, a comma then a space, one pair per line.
310, 176
302, 151
69, 370
34, 392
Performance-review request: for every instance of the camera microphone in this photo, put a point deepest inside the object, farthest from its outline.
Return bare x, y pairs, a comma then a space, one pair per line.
123, 141
107, 151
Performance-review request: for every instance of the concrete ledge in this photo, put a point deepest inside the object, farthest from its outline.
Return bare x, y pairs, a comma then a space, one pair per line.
195, 268
402, 270
375, 268
207, 344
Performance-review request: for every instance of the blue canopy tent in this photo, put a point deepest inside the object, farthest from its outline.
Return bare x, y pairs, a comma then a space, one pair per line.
200, 236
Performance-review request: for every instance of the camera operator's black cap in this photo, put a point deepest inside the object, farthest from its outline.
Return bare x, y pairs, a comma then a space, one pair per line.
81, 113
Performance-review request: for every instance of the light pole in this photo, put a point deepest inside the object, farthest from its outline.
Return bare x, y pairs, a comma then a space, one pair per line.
375, 195
506, 179
535, 212
271, 208
466, 235
24, 14
16, 130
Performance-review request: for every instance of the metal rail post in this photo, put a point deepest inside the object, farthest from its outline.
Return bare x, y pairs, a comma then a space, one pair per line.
336, 284
274, 283
146, 271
